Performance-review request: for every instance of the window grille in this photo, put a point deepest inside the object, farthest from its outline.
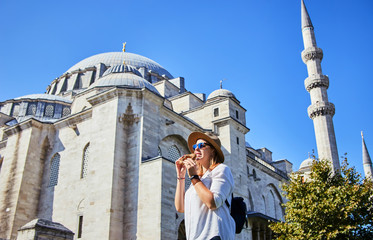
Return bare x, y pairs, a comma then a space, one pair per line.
173, 153
55, 167
85, 161
66, 111
49, 111
31, 109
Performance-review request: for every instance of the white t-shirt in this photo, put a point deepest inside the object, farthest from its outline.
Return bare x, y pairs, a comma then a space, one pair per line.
202, 223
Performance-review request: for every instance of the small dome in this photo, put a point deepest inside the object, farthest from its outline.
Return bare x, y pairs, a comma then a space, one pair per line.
306, 165
221, 93
47, 97
124, 79
122, 69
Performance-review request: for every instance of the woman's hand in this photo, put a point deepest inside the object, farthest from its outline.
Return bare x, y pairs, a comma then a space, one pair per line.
180, 167
191, 166
185, 163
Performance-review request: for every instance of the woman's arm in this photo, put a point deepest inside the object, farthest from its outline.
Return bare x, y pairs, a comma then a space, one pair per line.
180, 186
179, 195
206, 196
221, 187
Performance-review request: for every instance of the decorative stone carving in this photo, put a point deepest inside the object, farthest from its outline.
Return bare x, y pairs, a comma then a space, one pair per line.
129, 117
315, 81
311, 54
321, 109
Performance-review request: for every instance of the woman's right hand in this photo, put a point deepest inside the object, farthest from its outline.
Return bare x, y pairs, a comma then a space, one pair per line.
180, 167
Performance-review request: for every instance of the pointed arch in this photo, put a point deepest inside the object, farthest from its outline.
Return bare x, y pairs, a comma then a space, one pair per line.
278, 208
165, 146
271, 207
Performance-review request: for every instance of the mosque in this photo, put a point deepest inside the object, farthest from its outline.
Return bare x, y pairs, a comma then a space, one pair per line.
93, 157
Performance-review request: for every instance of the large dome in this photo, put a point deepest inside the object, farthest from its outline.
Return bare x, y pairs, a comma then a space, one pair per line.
117, 58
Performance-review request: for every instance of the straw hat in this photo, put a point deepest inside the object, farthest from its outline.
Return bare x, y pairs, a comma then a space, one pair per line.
208, 137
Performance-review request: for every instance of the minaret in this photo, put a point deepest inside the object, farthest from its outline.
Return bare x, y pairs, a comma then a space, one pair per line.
367, 163
321, 111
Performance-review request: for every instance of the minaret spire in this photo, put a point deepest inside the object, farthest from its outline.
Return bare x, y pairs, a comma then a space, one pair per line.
367, 162
306, 20
321, 111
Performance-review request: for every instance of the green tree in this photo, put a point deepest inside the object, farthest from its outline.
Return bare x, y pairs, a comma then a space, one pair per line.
327, 205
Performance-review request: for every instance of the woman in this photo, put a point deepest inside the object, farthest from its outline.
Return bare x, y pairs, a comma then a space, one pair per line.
206, 213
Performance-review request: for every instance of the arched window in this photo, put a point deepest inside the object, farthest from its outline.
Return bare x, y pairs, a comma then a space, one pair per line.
1, 161
31, 109
159, 151
66, 111
15, 110
85, 161
55, 168
49, 111
173, 153
251, 203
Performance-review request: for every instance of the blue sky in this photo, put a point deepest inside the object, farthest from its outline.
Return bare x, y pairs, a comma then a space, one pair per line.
255, 45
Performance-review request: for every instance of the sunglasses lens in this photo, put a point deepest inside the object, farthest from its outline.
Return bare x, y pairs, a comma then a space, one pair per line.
199, 145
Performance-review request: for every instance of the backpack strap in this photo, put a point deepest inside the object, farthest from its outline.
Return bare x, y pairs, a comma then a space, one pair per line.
226, 201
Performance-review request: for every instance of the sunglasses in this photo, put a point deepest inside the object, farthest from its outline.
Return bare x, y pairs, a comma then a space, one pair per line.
200, 145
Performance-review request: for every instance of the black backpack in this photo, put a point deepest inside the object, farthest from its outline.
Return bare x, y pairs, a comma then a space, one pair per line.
238, 212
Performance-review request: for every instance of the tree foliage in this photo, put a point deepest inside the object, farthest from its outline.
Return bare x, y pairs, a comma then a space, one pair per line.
327, 205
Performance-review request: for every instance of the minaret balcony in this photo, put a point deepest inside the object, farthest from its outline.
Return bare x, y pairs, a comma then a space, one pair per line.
315, 81
321, 109
312, 53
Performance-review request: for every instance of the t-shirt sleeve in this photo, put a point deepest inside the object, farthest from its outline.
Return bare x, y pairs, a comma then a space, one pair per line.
222, 184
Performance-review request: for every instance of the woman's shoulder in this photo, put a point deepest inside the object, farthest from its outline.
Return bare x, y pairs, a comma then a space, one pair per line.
223, 168
223, 171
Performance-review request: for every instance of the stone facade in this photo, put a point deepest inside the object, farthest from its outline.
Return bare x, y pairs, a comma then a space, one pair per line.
104, 166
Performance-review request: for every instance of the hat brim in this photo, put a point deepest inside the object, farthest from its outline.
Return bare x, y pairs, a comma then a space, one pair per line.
194, 136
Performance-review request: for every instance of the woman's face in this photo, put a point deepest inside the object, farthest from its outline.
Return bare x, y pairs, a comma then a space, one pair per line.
203, 152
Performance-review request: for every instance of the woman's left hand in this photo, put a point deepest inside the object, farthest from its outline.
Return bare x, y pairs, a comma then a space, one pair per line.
191, 166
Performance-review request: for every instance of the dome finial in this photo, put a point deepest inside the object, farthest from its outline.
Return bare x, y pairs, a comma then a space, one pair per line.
123, 50
221, 83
